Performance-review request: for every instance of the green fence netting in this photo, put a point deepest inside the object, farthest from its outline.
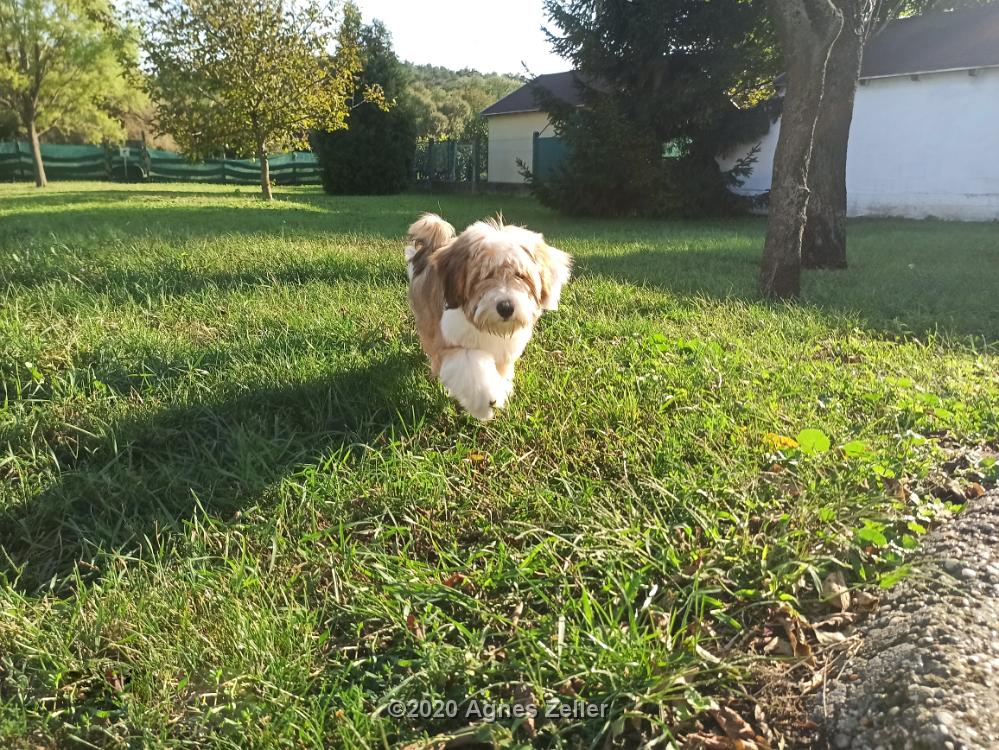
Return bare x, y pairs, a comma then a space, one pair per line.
138, 163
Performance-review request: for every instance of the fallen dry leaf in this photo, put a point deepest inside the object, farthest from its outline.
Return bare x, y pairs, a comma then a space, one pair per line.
834, 591
794, 628
414, 626
829, 637
973, 491
517, 612
837, 620
815, 680
895, 489
456, 580
114, 680
706, 655
865, 601
734, 726
778, 646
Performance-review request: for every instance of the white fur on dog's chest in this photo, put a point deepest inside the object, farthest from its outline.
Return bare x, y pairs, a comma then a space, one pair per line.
458, 331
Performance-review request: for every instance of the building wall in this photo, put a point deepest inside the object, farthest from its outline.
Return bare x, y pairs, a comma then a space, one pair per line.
918, 148
511, 137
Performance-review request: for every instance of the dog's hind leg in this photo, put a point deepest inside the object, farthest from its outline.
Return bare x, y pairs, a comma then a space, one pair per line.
470, 377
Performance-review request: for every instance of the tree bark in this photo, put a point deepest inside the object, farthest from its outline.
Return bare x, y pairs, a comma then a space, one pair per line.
807, 30
824, 241
36, 155
265, 172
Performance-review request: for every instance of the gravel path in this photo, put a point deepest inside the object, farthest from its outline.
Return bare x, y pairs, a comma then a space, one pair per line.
927, 674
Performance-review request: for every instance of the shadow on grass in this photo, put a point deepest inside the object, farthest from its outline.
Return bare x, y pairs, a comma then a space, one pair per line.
910, 278
721, 272
179, 215
143, 477
906, 278
175, 279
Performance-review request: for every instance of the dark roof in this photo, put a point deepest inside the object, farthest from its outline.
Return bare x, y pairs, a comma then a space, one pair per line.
958, 40
566, 86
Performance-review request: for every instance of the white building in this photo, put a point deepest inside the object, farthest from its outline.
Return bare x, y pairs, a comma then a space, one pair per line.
925, 134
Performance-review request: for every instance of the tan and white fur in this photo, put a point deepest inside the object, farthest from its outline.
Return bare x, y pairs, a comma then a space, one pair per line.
476, 298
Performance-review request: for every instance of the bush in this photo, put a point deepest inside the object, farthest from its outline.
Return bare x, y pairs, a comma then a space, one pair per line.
374, 155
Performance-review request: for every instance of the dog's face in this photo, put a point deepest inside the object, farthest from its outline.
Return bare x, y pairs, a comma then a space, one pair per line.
502, 277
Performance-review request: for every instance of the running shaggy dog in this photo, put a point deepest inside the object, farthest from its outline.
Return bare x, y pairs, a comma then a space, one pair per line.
476, 298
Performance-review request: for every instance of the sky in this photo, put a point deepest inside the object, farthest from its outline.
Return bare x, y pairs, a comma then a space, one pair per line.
489, 36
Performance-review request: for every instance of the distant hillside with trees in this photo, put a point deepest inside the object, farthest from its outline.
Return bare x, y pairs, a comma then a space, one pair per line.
447, 102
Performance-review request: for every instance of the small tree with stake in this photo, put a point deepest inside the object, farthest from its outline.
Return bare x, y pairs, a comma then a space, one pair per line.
249, 76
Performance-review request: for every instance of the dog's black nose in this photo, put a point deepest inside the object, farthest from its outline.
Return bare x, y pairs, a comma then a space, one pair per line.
504, 308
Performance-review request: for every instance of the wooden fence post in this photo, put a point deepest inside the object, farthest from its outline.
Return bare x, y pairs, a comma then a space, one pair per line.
430, 161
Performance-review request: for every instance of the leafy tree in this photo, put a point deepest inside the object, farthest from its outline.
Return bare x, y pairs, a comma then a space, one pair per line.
63, 67
250, 76
375, 154
658, 78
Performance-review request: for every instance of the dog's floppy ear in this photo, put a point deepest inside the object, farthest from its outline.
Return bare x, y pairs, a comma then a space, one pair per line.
556, 267
452, 267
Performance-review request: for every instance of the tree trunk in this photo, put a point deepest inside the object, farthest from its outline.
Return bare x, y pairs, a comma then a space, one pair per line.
36, 155
807, 30
824, 241
265, 172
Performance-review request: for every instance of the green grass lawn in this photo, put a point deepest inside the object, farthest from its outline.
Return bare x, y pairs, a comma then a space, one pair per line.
236, 512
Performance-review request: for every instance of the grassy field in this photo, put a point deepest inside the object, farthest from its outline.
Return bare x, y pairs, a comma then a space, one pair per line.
235, 511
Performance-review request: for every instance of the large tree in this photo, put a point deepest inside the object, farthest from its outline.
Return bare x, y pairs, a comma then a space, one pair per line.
249, 76
375, 154
659, 79
824, 240
64, 67
807, 30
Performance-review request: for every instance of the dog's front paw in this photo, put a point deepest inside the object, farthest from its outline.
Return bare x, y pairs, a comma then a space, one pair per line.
479, 408
471, 379
504, 393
